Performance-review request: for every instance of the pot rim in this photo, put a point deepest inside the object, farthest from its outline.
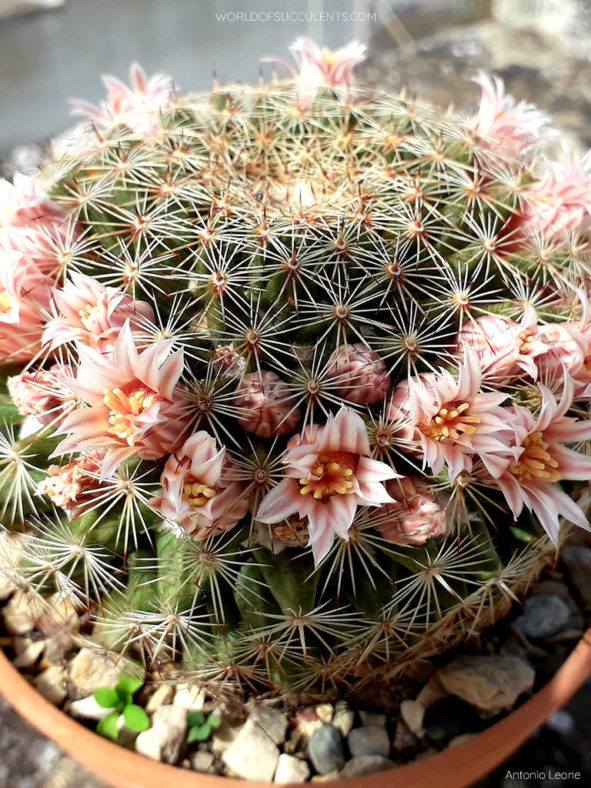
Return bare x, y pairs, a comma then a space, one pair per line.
457, 766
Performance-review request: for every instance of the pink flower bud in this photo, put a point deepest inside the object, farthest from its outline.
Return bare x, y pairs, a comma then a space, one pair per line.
415, 517
359, 373
71, 486
43, 393
266, 405
227, 362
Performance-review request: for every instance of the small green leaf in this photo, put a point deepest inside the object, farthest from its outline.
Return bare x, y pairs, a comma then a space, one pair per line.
195, 718
107, 698
199, 733
108, 727
214, 720
136, 718
129, 685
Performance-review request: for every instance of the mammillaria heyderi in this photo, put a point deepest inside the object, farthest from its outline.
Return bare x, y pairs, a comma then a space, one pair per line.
305, 370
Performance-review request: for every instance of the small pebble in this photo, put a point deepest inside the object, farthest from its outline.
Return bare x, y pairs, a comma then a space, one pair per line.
413, 714
324, 712
370, 718
561, 722
51, 683
165, 739
326, 750
404, 738
273, 722
190, 697
202, 761
90, 670
543, 616
344, 718
253, 755
291, 770
161, 697
369, 740
366, 764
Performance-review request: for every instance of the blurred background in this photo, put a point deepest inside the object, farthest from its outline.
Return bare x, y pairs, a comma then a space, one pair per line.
55, 50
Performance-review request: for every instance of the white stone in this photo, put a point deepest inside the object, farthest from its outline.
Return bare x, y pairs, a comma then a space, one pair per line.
324, 712
253, 755
87, 709
18, 613
28, 655
291, 770
51, 683
91, 670
161, 697
190, 696
343, 718
202, 761
413, 714
163, 741
224, 736
369, 740
273, 722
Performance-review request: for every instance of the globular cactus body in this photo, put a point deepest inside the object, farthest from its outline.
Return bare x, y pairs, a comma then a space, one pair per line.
310, 435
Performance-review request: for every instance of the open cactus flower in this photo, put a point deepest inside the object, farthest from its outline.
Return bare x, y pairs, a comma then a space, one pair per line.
296, 375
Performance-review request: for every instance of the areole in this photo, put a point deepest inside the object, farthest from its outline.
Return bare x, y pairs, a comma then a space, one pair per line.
455, 768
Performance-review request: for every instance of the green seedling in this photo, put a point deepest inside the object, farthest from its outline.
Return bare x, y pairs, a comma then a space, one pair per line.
201, 726
120, 700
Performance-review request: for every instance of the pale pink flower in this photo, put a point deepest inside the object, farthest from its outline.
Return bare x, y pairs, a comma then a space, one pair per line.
196, 491
24, 295
31, 223
43, 393
136, 105
327, 476
318, 67
451, 421
266, 405
504, 125
72, 487
543, 460
359, 374
135, 407
23, 202
506, 350
93, 314
414, 517
566, 349
560, 202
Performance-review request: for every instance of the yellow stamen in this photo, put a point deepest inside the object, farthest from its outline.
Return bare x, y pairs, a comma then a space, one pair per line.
331, 475
450, 422
123, 408
536, 462
6, 303
195, 493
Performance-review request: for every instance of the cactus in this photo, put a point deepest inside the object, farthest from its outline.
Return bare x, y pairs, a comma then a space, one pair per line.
307, 371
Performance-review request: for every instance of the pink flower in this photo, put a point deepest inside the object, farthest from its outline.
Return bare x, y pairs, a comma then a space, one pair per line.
560, 202
450, 421
31, 223
414, 517
135, 405
43, 393
506, 350
71, 486
196, 492
360, 374
93, 314
503, 125
322, 67
543, 460
328, 474
266, 405
136, 106
24, 295
566, 349
23, 202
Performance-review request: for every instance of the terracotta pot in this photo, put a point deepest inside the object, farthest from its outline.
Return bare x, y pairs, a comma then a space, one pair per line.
454, 768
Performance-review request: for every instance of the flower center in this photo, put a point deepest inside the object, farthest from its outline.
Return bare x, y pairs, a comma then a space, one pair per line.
124, 409
536, 462
450, 422
526, 339
331, 475
6, 303
195, 493
330, 58
90, 315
